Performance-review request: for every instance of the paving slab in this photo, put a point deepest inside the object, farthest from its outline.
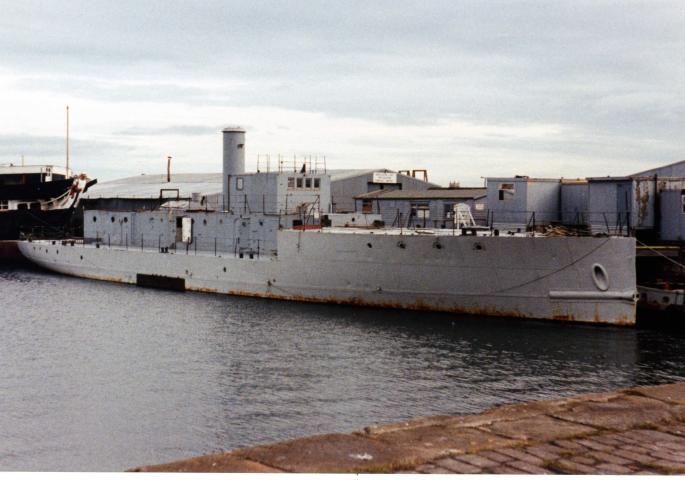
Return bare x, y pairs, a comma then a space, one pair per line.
511, 412
621, 413
332, 453
457, 466
436, 441
409, 424
674, 393
541, 428
210, 464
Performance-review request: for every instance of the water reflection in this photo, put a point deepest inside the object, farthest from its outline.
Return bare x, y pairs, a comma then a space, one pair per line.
97, 376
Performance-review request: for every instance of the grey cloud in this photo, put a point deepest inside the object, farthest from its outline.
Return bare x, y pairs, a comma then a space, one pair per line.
95, 157
609, 71
180, 130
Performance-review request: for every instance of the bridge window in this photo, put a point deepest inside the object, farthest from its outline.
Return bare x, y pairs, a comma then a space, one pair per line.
291, 182
308, 183
317, 183
4, 204
239, 183
299, 182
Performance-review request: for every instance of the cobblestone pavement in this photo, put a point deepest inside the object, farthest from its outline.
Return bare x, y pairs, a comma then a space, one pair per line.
634, 431
639, 451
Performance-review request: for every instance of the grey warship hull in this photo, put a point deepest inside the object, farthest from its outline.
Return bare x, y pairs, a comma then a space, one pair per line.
264, 238
582, 279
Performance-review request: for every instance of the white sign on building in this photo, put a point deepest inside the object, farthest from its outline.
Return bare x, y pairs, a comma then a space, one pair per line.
384, 177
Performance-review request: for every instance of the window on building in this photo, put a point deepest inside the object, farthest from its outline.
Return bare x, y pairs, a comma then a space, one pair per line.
317, 183
22, 206
367, 206
308, 183
4, 204
506, 191
682, 201
291, 182
299, 182
239, 183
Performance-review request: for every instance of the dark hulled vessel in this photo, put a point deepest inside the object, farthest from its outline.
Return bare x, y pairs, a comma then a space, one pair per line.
38, 200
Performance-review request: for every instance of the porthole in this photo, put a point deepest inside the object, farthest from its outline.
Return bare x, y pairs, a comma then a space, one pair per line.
224, 269
369, 245
112, 219
95, 219
666, 299
125, 219
204, 221
401, 244
600, 277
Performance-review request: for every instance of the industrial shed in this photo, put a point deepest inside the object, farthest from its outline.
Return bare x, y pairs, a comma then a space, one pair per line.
649, 204
423, 208
515, 202
347, 184
143, 191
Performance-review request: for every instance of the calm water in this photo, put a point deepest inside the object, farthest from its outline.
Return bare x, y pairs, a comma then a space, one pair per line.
98, 376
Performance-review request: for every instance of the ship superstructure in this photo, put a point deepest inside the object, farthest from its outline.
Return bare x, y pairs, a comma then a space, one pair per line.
268, 237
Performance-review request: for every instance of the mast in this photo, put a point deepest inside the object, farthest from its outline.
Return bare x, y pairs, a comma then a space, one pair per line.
67, 174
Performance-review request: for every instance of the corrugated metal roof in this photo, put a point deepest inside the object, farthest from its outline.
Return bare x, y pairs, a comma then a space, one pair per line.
435, 193
608, 179
522, 178
652, 171
337, 175
148, 186
342, 174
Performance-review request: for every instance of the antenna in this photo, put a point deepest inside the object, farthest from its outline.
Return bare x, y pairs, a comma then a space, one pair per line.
168, 169
67, 140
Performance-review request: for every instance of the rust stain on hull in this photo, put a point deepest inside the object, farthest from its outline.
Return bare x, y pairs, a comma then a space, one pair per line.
415, 306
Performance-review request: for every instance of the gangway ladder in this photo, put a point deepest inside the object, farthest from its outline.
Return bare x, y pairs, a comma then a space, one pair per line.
462, 216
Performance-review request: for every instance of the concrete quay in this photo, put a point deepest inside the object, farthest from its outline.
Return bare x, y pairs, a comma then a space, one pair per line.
634, 431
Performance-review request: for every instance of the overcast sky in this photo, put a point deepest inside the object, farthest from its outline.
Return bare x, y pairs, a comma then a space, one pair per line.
464, 89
